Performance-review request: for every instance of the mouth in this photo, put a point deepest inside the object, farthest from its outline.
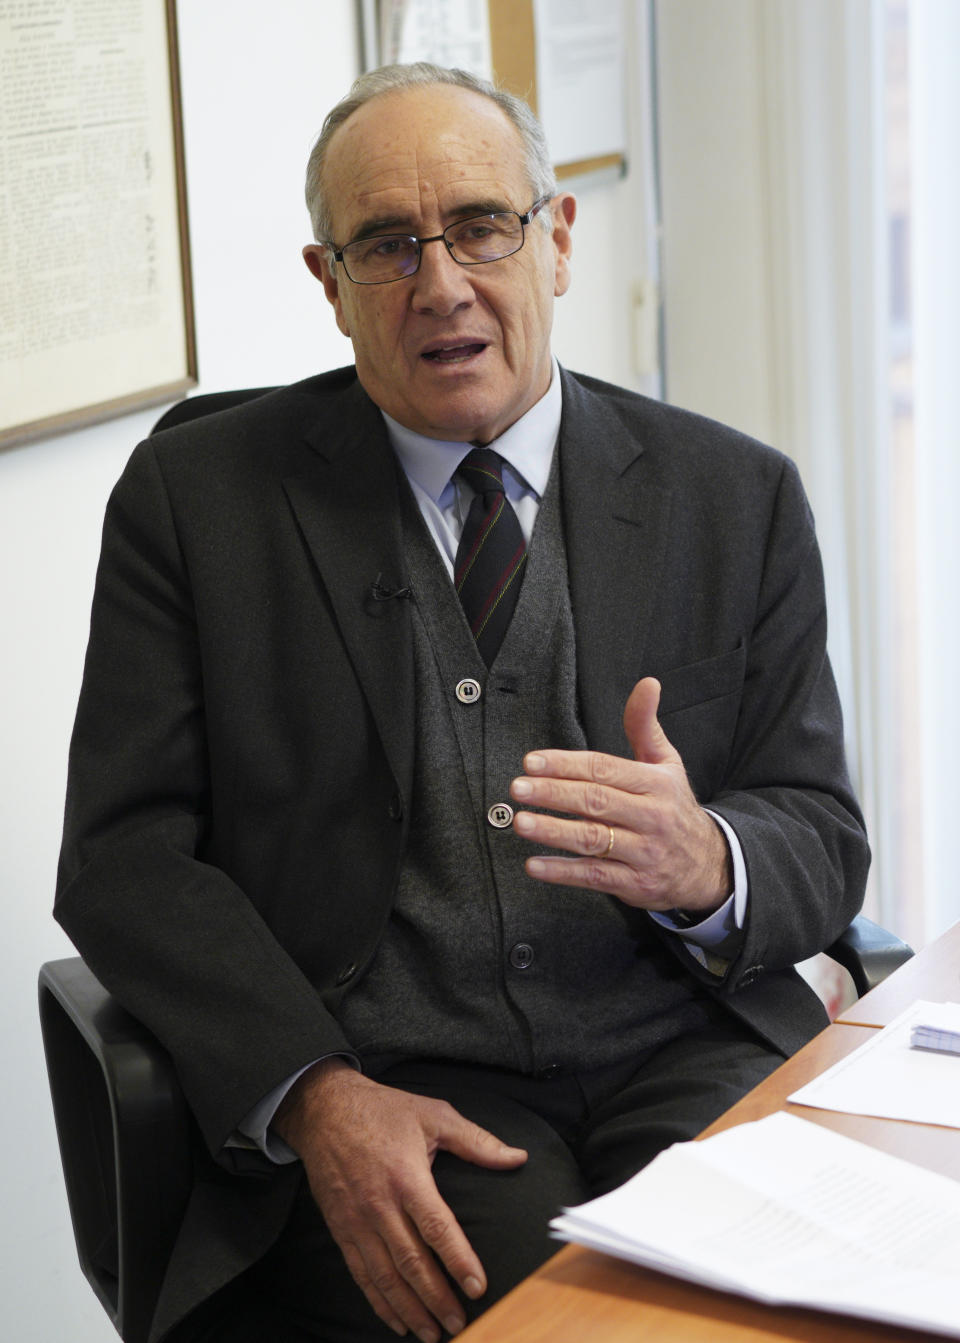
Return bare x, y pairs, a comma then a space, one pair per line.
453, 353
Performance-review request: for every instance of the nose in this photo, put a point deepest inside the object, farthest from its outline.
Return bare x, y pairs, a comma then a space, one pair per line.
440, 285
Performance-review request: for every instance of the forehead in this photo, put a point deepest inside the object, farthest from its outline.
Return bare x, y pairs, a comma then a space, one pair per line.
415, 154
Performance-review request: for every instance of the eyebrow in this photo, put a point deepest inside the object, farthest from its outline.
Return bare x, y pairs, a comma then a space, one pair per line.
373, 228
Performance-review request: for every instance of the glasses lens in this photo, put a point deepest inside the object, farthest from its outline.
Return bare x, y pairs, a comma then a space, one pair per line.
374, 260
485, 237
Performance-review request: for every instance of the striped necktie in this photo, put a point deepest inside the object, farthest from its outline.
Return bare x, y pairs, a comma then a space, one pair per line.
488, 569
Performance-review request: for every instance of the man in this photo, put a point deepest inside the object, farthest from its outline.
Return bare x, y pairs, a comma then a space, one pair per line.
311, 791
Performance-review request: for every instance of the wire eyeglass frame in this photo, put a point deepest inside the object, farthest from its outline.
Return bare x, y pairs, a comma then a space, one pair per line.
452, 237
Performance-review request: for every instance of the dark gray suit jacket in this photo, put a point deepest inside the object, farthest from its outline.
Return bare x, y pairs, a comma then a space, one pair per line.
241, 764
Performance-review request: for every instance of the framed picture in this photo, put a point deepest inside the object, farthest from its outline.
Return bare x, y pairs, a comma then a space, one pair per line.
96, 305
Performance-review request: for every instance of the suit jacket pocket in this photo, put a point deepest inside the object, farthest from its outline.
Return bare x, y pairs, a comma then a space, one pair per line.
699, 706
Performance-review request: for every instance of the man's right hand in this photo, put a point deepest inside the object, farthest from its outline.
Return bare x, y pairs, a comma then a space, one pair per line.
367, 1151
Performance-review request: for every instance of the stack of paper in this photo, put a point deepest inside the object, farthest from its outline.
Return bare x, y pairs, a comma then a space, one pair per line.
788, 1212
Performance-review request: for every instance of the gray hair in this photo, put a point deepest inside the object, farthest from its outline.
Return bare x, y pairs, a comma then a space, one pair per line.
423, 75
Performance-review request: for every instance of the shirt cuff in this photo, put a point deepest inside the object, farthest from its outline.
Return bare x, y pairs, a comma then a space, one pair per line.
711, 933
253, 1131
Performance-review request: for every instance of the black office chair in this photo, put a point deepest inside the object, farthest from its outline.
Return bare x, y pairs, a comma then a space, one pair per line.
131, 1150
129, 1146
192, 407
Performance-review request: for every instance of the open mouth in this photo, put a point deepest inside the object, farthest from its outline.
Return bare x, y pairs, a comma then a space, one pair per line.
453, 354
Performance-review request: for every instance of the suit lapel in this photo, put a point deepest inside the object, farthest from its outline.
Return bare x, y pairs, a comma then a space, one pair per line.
346, 503
617, 521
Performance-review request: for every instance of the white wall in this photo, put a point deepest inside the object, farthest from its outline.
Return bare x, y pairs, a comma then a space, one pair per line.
256, 81
256, 85
715, 261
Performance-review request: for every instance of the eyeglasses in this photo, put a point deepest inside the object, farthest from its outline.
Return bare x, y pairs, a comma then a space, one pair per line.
471, 242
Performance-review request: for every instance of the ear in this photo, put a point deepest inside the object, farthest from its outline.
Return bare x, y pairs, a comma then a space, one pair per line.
564, 211
318, 263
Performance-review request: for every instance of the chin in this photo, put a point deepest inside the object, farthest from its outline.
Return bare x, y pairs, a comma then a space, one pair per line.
468, 420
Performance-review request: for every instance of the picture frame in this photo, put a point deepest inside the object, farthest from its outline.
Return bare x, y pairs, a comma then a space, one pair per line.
96, 297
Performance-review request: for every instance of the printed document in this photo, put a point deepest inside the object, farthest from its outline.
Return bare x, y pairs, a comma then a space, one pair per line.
787, 1212
888, 1079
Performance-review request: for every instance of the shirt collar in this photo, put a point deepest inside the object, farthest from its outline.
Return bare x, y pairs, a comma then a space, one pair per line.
527, 446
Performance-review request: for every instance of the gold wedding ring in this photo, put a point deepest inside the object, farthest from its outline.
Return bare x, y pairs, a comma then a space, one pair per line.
609, 849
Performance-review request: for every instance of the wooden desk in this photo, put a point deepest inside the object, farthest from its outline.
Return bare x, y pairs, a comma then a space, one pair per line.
933, 974
580, 1296
928, 1145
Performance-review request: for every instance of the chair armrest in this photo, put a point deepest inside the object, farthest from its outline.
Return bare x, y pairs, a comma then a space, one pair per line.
126, 1141
869, 953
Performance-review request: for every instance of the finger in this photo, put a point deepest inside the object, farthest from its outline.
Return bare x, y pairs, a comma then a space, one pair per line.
609, 771
647, 739
395, 1267
440, 1230
421, 1225
589, 839
379, 1303
400, 1277
621, 880
592, 801
434, 1220
470, 1142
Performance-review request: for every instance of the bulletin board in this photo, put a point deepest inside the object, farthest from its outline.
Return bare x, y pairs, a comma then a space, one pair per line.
564, 57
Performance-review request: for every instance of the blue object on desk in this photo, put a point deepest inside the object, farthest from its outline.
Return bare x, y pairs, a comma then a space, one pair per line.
933, 1037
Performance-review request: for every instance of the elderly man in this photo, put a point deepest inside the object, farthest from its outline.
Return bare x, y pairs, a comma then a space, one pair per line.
458, 772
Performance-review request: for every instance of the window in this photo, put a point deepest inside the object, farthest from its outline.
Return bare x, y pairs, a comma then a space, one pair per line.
810, 177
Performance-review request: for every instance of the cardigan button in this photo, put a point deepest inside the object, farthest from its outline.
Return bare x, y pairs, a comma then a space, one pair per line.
468, 690
346, 974
395, 808
500, 815
521, 956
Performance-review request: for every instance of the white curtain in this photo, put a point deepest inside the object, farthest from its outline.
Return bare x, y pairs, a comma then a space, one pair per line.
935, 165
821, 99
791, 177
886, 502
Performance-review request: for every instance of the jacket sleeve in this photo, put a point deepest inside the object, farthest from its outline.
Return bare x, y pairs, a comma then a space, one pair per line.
168, 931
785, 789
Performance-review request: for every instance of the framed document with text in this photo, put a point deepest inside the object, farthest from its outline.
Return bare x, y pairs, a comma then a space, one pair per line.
96, 310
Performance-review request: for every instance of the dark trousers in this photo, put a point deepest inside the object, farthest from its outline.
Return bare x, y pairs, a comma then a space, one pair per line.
585, 1134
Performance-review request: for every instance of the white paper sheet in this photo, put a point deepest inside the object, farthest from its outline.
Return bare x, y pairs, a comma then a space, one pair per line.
447, 32
788, 1212
580, 77
886, 1078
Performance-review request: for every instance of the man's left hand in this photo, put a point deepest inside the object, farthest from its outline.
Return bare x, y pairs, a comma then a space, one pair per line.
635, 826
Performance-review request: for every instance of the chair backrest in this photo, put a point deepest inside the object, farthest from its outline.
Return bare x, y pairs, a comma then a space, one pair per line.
192, 407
